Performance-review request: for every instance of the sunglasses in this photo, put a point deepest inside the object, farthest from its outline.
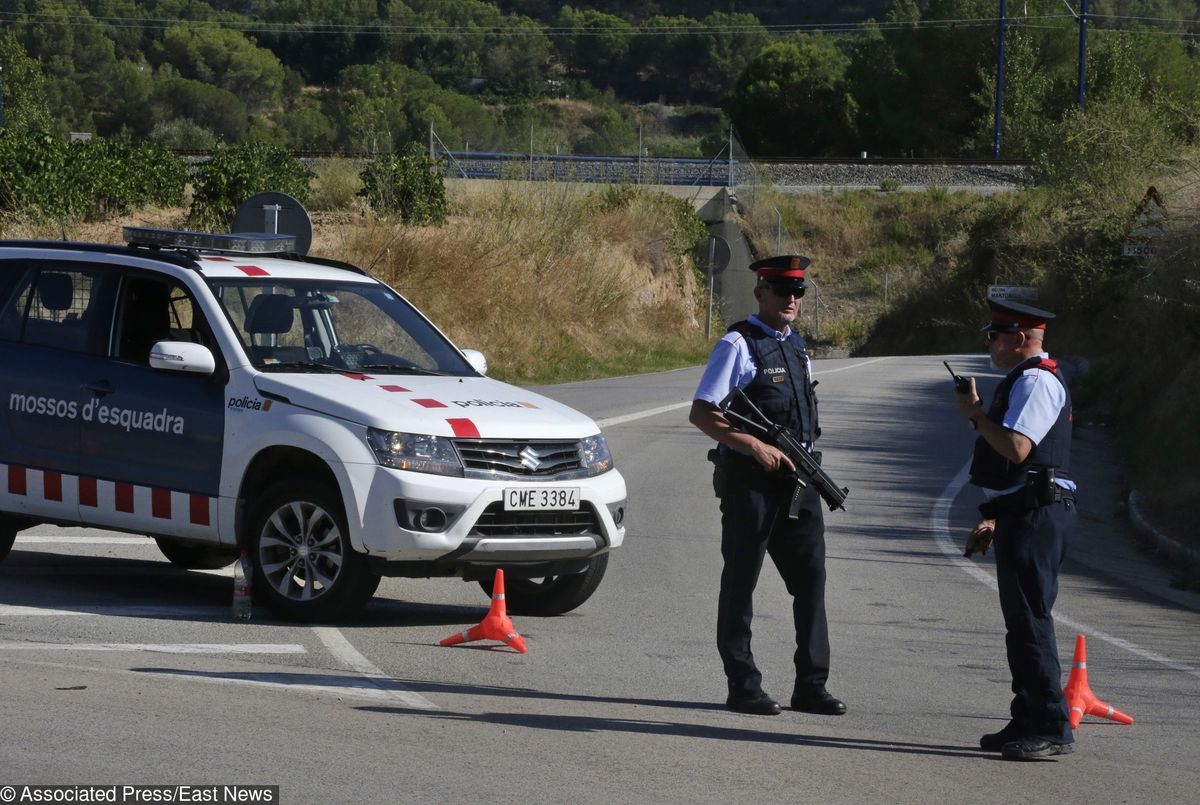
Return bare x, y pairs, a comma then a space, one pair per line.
992, 335
787, 293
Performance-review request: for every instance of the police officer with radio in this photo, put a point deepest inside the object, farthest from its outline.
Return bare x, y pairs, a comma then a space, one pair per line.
1021, 461
769, 360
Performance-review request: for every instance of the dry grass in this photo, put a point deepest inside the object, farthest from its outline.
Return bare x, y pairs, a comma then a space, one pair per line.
544, 286
549, 283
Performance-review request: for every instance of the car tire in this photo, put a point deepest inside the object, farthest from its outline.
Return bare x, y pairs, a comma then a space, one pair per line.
551, 595
8, 535
329, 580
191, 556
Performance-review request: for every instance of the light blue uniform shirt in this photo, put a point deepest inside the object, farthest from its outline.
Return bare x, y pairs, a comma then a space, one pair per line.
731, 366
1034, 402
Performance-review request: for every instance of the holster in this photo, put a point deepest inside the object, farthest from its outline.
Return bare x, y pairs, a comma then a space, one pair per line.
720, 479
1039, 490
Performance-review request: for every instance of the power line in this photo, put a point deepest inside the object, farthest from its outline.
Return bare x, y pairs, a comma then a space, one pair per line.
632, 30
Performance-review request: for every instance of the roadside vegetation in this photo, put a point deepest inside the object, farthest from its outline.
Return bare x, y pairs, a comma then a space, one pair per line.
554, 282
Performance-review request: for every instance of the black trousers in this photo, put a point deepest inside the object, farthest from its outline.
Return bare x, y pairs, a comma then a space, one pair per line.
1030, 547
754, 522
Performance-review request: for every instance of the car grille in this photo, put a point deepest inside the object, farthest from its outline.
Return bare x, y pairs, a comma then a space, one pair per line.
491, 458
497, 523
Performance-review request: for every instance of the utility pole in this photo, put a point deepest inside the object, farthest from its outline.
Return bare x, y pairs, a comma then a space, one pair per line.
730, 183
1083, 15
999, 78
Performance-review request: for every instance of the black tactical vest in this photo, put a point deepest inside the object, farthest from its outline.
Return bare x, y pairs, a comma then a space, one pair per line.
782, 388
991, 470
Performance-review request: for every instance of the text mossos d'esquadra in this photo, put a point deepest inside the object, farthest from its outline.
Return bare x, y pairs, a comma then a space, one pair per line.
130, 419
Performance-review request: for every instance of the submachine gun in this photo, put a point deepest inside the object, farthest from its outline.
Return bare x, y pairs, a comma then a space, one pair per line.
808, 466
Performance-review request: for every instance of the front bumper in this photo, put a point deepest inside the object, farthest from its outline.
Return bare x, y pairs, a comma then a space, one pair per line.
389, 524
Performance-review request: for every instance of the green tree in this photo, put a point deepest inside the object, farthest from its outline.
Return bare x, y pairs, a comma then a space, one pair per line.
225, 59
24, 97
408, 185
383, 106
917, 87
792, 100
595, 45
609, 133
454, 41
235, 173
211, 107
75, 53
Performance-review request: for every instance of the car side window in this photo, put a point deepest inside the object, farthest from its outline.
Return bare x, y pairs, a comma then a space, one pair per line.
151, 309
53, 307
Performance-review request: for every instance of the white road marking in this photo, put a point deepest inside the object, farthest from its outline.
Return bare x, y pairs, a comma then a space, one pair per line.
163, 648
939, 521
663, 409
39, 539
340, 647
207, 613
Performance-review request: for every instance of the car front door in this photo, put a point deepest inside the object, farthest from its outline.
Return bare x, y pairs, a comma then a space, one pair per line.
154, 437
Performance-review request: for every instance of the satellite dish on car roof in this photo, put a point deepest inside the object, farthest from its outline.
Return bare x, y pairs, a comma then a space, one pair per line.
275, 214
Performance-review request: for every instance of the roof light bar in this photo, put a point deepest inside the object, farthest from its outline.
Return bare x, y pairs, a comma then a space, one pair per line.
238, 242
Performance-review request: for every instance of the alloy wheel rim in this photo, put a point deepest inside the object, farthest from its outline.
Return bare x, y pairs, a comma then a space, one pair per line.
300, 551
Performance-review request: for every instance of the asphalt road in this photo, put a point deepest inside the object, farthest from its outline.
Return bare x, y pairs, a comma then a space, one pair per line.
118, 668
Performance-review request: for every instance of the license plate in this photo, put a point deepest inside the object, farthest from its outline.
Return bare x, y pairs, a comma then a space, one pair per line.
547, 497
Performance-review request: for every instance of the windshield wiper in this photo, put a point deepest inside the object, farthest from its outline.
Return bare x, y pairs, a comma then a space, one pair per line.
399, 368
306, 366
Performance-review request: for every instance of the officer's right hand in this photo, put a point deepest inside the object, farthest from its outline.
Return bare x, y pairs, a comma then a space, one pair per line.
771, 458
980, 538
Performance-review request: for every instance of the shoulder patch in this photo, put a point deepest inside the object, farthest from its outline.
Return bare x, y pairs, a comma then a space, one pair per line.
744, 327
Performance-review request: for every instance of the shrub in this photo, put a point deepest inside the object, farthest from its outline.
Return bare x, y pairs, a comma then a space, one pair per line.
407, 185
237, 172
335, 185
42, 175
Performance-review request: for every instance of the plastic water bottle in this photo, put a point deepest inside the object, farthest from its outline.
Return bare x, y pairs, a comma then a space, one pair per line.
242, 574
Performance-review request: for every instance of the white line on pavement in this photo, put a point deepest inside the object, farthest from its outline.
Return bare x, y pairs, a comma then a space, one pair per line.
206, 613
939, 520
40, 539
163, 648
663, 409
340, 647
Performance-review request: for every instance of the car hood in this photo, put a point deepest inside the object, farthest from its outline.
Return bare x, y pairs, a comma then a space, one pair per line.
439, 406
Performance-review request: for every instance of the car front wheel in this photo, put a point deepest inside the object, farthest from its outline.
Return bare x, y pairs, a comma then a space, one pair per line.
551, 595
304, 566
7, 537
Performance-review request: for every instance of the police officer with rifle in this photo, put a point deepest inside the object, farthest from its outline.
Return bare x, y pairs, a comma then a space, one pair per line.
756, 400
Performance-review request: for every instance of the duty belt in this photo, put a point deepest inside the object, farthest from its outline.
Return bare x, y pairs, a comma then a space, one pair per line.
1023, 500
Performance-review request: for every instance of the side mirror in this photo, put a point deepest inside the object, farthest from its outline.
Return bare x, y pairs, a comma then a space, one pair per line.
182, 356
476, 359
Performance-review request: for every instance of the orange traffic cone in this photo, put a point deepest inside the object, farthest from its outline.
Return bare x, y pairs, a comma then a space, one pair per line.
495, 625
1080, 699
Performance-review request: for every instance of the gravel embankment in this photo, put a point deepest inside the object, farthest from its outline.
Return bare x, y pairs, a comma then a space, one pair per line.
799, 175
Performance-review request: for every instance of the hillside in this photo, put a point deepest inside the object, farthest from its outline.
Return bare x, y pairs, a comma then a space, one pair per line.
594, 79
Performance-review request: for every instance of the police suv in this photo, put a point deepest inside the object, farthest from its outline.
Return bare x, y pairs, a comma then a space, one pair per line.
220, 393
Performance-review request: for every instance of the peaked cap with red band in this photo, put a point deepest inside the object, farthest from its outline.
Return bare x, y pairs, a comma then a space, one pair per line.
1008, 317
786, 270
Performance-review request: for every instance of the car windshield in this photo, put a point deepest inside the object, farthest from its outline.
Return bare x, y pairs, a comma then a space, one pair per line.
312, 326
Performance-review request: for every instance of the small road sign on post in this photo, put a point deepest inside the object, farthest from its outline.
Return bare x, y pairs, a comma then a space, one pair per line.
997, 293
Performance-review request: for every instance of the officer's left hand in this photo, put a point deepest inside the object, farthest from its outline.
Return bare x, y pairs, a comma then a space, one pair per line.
980, 538
968, 402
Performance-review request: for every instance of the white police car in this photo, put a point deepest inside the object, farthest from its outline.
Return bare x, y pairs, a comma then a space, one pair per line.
218, 392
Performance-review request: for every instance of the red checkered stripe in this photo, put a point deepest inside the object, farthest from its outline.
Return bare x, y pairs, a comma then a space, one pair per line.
461, 426
113, 502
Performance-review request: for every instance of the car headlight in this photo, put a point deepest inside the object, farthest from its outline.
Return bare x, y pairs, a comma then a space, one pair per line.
594, 455
415, 452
